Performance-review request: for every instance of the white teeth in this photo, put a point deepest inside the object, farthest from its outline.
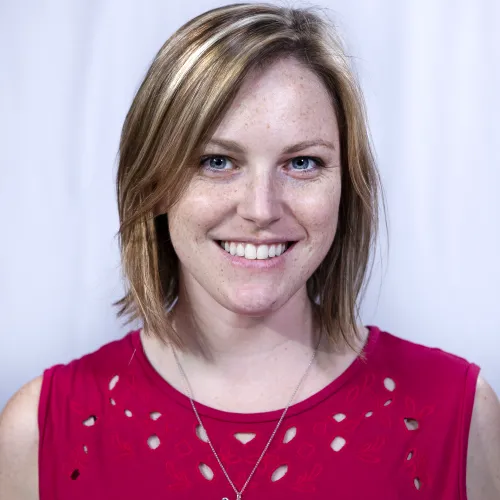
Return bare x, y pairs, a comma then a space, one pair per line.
240, 250
262, 252
252, 252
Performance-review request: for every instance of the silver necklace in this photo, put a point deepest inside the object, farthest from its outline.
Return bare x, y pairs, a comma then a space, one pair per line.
239, 493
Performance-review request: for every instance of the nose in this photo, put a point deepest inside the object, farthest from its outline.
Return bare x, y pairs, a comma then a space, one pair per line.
261, 201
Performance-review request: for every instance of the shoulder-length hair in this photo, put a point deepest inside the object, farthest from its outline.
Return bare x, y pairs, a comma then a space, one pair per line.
189, 86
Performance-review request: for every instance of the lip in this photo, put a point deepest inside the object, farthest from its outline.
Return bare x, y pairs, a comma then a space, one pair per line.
265, 241
273, 263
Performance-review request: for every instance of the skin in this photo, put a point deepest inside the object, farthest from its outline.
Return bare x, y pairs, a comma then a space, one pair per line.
261, 194
253, 325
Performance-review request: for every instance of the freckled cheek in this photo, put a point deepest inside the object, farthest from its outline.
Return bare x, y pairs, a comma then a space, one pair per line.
193, 216
320, 213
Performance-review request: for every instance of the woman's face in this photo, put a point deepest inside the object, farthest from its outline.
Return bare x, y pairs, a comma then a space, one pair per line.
269, 180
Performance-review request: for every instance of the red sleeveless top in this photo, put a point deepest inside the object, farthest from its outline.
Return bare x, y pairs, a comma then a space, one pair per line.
394, 426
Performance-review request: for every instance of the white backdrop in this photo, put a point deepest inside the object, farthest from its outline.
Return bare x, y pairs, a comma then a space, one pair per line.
430, 71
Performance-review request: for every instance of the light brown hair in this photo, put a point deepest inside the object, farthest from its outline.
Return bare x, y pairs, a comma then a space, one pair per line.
185, 93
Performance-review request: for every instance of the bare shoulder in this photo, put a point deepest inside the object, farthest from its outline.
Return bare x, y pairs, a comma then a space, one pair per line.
19, 444
483, 460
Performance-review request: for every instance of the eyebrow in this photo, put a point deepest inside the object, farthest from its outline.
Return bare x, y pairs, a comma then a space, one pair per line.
237, 148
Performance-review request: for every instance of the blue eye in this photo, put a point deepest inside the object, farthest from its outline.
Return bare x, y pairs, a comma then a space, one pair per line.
303, 162
216, 163
220, 163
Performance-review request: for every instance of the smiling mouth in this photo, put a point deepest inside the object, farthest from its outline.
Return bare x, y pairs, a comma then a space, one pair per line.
250, 251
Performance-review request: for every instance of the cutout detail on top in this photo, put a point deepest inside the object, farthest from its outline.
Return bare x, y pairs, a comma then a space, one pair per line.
279, 473
417, 483
206, 471
201, 433
89, 422
389, 384
411, 424
369, 414
388, 402
244, 437
153, 442
155, 415
289, 434
113, 382
338, 443
339, 417
75, 474
410, 455
128, 413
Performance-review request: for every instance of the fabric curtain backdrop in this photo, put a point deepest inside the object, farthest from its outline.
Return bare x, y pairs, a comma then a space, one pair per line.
430, 73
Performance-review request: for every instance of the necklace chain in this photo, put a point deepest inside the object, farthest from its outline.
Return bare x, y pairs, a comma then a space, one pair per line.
239, 494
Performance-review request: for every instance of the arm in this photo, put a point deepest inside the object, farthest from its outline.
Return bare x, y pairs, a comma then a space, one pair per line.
19, 444
483, 460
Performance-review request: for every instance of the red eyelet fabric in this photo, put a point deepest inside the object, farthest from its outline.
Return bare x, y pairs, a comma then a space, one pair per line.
392, 427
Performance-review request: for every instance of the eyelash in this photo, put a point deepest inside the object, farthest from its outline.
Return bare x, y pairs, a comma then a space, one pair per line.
319, 163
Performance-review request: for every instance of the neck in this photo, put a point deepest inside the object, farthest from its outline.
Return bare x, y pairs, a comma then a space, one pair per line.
217, 336
230, 358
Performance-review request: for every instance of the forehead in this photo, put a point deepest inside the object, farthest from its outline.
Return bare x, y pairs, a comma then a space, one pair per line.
284, 101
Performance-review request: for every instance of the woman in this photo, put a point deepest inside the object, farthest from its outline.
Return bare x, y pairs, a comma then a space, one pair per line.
248, 200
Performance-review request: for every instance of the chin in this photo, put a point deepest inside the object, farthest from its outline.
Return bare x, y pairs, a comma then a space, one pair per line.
253, 302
